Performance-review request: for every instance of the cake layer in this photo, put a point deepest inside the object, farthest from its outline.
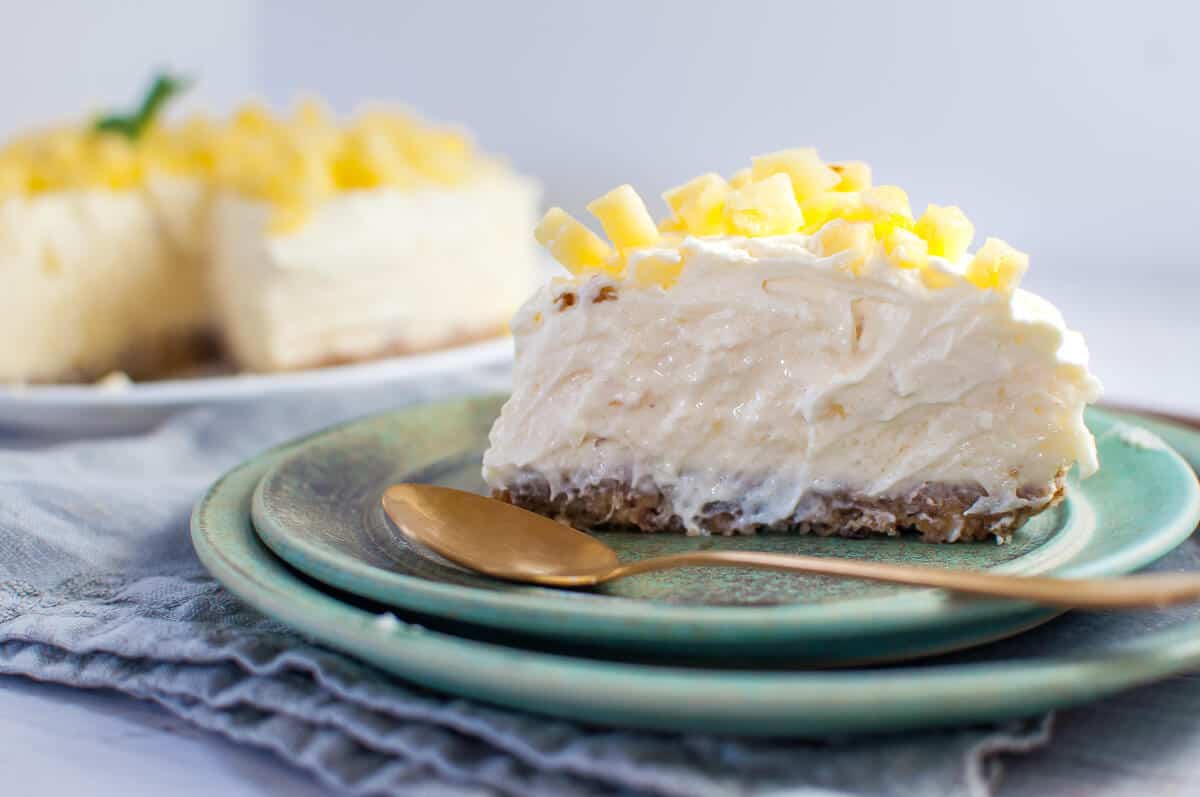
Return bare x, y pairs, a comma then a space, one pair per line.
769, 373
94, 280
372, 272
303, 239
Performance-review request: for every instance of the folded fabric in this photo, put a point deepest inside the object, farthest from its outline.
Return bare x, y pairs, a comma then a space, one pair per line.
100, 588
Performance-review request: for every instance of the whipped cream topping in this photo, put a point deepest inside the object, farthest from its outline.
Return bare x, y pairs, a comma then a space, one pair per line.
768, 371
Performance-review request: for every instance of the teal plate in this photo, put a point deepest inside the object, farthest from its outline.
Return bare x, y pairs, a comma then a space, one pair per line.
318, 508
691, 699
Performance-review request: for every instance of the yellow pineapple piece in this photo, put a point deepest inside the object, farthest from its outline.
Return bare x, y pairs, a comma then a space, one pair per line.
574, 245
906, 249
443, 156
115, 162
997, 266
311, 113
741, 178
191, 148
672, 224
363, 160
253, 117
857, 238
855, 175
808, 173
14, 177
947, 230
700, 204
661, 271
624, 217
887, 208
821, 208
766, 207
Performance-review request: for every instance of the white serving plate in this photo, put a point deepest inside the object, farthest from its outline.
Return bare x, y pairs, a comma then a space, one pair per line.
67, 410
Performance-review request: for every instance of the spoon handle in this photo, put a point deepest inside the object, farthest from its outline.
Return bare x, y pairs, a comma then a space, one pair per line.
1129, 592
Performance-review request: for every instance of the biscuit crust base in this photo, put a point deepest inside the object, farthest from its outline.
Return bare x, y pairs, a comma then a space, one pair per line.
935, 510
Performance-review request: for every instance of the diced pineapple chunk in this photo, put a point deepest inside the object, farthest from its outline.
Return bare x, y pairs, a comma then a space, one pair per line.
14, 177
661, 271
855, 175
947, 230
809, 175
253, 117
766, 207
312, 114
741, 178
624, 217
572, 244
906, 249
997, 266
672, 224
115, 163
820, 208
857, 238
700, 204
887, 208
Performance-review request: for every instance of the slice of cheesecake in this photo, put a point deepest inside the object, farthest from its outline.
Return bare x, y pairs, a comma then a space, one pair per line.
789, 352
349, 242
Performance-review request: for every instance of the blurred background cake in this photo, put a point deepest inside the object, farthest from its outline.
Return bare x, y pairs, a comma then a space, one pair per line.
134, 244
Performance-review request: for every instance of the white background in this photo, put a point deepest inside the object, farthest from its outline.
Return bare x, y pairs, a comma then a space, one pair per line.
1067, 128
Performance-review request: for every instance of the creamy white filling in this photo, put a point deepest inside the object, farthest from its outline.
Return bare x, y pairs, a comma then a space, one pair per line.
92, 275
768, 372
374, 269
88, 276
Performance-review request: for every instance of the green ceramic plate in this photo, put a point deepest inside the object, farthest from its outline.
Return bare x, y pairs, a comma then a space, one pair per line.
318, 508
678, 698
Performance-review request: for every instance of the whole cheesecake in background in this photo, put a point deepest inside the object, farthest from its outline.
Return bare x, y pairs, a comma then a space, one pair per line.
292, 242
789, 350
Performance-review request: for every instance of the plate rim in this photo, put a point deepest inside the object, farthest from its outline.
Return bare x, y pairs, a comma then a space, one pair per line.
758, 702
549, 611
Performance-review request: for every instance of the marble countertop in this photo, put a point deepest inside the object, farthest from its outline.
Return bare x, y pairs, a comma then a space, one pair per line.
58, 740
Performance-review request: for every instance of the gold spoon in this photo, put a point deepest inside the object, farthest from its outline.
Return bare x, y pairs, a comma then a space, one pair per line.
501, 540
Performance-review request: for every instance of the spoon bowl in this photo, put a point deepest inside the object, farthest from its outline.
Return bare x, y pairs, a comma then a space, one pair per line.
496, 538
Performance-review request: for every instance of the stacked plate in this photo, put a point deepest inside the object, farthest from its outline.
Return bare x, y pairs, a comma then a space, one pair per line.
299, 533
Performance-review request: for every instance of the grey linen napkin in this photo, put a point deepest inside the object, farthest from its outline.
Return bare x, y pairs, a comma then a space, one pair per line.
99, 588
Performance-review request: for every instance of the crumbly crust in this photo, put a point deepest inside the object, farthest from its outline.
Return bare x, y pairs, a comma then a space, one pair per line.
937, 511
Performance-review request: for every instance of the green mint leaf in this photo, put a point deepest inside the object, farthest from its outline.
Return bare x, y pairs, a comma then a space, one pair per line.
132, 125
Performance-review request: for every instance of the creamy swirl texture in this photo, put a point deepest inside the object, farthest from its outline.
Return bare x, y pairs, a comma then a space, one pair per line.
768, 372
